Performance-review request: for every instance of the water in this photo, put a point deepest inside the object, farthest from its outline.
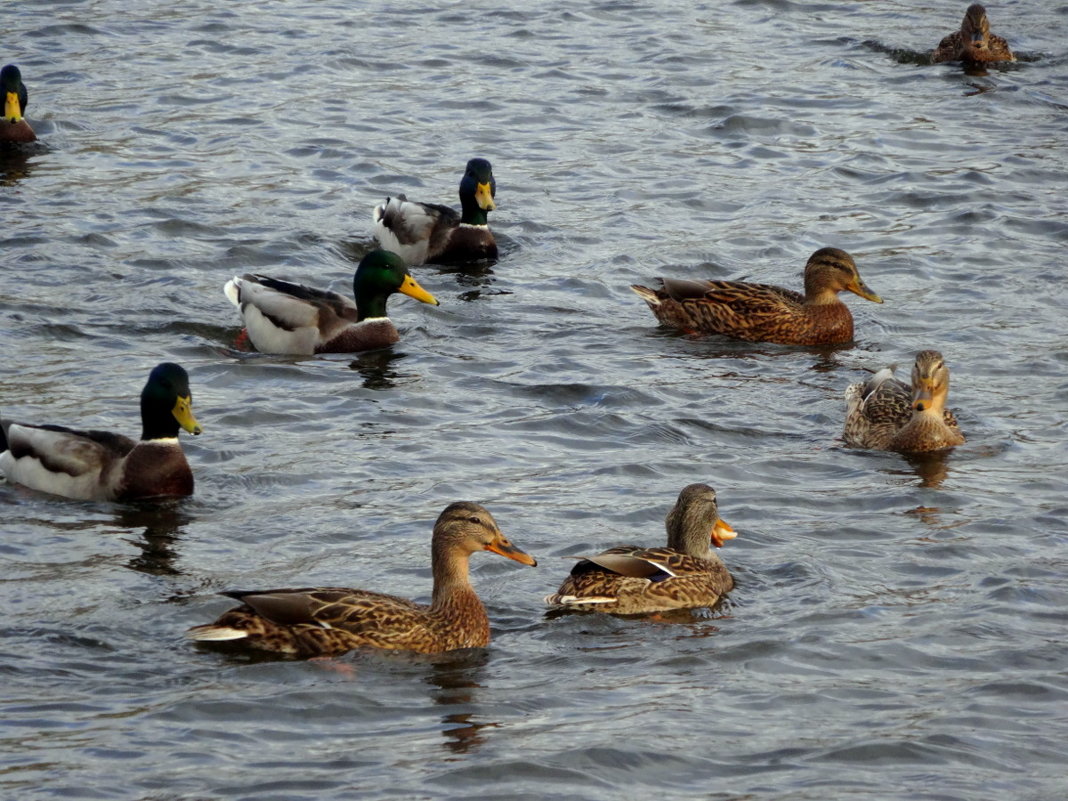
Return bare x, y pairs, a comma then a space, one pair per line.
897, 629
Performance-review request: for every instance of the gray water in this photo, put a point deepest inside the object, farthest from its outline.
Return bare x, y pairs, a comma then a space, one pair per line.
898, 627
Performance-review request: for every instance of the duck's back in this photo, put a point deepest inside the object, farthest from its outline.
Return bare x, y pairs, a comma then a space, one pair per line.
634, 580
753, 312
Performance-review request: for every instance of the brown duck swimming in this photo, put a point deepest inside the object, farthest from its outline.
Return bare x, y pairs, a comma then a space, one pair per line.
13, 128
283, 317
632, 580
332, 620
422, 232
973, 42
762, 312
887, 414
99, 465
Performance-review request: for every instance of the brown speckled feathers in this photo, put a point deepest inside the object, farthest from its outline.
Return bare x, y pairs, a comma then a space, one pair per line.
973, 42
887, 414
332, 620
634, 580
762, 312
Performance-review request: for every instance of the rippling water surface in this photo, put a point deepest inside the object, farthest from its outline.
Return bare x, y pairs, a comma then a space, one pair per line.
897, 631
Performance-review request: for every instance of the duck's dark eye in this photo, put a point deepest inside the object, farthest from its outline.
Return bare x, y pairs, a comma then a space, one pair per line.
475, 519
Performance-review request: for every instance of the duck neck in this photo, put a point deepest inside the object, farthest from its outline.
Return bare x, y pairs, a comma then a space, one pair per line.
370, 305
472, 214
452, 584
689, 534
157, 421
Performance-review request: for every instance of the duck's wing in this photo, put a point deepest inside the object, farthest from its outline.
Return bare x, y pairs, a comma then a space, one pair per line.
412, 229
285, 317
64, 461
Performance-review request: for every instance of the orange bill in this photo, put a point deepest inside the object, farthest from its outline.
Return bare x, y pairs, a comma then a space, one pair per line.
721, 532
505, 548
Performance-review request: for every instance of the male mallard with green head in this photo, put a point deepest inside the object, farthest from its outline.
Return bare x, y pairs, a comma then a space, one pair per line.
762, 312
631, 580
425, 232
887, 414
14, 128
99, 465
283, 317
973, 42
332, 620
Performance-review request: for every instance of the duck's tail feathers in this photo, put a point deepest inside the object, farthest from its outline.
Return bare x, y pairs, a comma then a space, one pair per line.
646, 294
556, 599
232, 290
213, 633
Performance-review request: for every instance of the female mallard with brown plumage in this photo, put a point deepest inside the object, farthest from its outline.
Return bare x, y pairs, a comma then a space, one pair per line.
887, 414
762, 312
282, 317
332, 620
14, 128
973, 42
631, 580
422, 232
99, 465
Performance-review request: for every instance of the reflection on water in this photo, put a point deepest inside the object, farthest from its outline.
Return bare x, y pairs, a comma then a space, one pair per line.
15, 164
162, 523
931, 468
456, 676
376, 368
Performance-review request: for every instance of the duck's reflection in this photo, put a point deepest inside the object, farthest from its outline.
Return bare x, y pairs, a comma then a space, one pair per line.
14, 164
455, 676
162, 523
930, 467
377, 368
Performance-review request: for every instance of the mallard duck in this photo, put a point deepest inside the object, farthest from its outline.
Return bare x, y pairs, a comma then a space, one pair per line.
762, 312
332, 620
973, 42
282, 317
99, 465
422, 232
887, 414
14, 128
632, 580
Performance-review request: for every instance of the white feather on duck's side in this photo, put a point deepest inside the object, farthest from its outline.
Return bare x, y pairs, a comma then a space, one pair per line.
99, 465
427, 232
284, 317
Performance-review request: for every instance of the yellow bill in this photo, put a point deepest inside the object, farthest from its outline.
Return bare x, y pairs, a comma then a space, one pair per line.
183, 413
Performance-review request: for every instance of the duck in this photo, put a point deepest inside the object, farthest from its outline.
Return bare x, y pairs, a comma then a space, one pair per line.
631, 580
762, 312
328, 621
426, 232
14, 127
283, 317
974, 42
102, 466
886, 414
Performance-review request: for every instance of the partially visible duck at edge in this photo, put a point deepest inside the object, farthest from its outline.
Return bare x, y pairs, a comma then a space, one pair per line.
426, 232
288, 318
973, 43
762, 312
14, 127
102, 466
887, 414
